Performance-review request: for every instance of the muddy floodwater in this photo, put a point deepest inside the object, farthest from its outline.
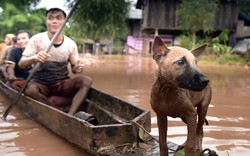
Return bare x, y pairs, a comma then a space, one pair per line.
130, 78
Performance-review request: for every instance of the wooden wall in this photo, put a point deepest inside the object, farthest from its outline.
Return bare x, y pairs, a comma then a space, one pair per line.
227, 16
161, 15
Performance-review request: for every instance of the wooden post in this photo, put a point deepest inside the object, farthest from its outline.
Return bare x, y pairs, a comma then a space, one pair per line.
156, 32
248, 55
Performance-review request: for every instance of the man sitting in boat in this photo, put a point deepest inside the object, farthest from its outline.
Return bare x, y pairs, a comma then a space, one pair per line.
16, 75
52, 77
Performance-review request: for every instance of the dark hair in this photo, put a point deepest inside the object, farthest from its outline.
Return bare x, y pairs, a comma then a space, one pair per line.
24, 31
54, 10
14, 39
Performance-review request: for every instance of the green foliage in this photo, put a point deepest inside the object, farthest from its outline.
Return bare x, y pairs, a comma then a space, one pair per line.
141, 134
196, 15
182, 153
219, 45
224, 59
244, 7
101, 18
224, 36
16, 15
219, 48
231, 59
20, 4
185, 41
37, 18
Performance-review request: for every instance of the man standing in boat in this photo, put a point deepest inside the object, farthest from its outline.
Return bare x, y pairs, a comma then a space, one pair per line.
52, 78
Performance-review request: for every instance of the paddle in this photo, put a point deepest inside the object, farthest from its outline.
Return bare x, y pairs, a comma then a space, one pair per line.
14, 101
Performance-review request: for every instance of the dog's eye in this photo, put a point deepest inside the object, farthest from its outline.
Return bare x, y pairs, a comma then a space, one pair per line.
180, 62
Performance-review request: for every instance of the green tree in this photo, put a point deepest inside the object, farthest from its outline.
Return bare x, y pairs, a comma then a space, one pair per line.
196, 15
18, 15
244, 7
20, 4
97, 19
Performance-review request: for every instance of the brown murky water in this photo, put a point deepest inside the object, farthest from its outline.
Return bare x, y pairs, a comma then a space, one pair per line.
130, 78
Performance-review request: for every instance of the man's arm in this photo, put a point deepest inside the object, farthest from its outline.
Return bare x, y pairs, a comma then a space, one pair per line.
10, 71
78, 68
26, 62
77, 65
32, 53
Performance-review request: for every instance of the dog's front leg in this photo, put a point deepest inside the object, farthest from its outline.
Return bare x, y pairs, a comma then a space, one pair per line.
202, 111
191, 137
162, 123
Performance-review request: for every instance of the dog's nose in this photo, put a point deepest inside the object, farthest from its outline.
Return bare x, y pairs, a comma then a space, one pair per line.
204, 81
201, 79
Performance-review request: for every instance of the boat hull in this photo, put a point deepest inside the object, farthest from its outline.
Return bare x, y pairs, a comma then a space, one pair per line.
115, 120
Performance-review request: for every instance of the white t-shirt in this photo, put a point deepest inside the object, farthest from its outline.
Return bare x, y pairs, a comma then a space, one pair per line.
55, 68
67, 51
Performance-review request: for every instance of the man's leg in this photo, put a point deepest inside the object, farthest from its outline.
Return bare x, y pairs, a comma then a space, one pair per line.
59, 101
84, 84
34, 91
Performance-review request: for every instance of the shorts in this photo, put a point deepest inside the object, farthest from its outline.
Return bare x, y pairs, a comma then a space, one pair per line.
66, 87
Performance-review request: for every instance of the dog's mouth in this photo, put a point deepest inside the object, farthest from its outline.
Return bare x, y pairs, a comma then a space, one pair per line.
193, 81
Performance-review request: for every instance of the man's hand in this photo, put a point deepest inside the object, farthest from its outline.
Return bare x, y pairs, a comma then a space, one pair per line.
79, 67
42, 56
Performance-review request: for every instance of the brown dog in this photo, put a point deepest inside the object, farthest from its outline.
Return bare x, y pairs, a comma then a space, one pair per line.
179, 87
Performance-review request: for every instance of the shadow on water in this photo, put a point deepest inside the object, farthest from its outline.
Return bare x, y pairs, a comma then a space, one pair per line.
130, 78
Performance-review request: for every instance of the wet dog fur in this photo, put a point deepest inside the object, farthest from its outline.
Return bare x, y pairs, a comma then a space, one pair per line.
180, 89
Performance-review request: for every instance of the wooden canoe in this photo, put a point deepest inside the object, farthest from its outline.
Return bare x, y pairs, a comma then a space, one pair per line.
115, 134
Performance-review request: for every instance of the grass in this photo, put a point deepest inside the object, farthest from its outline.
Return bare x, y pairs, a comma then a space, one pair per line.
225, 59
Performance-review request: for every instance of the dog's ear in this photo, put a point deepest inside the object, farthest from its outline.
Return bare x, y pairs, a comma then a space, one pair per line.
159, 48
198, 51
